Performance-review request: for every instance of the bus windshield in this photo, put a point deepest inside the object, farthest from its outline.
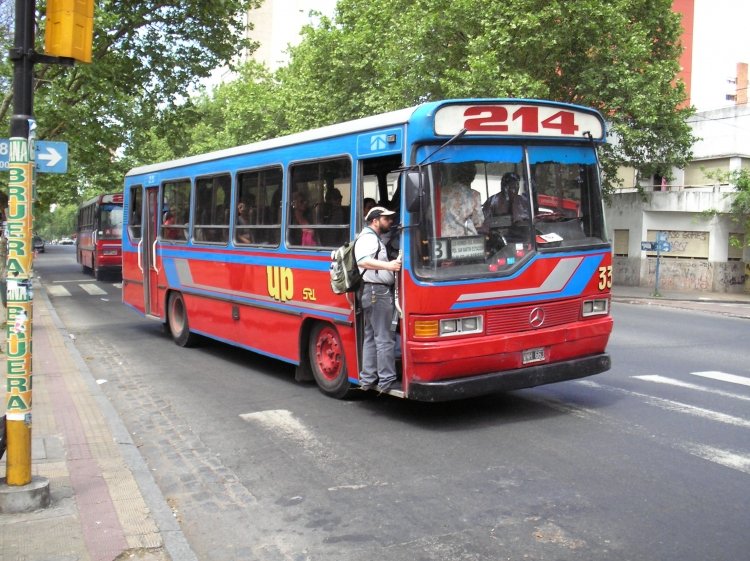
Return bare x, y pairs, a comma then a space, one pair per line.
489, 208
110, 221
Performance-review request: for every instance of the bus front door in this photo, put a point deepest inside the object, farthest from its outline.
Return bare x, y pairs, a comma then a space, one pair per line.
148, 253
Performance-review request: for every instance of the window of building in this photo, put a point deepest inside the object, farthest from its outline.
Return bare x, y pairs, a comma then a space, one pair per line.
736, 247
258, 217
212, 208
622, 242
319, 204
683, 244
175, 210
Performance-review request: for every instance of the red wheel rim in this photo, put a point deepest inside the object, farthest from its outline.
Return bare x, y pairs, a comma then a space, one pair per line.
328, 354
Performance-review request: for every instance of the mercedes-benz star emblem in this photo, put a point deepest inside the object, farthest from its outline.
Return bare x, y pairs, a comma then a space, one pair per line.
536, 317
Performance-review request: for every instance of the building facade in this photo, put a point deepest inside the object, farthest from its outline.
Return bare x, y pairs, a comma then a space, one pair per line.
707, 250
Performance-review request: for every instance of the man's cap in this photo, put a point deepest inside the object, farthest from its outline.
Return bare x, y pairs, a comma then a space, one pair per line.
377, 212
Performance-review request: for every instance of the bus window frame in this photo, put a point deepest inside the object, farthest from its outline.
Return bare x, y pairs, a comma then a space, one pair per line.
185, 228
201, 229
138, 191
317, 228
274, 227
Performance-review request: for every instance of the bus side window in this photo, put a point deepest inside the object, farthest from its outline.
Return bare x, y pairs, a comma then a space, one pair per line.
257, 208
212, 196
175, 210
320, 203
136, 208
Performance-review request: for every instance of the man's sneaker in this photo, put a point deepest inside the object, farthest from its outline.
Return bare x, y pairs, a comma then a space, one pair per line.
366, 387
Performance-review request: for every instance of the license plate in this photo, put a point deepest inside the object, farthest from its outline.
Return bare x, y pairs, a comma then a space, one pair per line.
533, 355
109, 252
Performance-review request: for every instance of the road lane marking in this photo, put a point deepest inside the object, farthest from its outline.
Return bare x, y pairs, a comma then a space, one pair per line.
679, 407
283, 422
740, 462
56, 290
724, 377
687, 385
92, 289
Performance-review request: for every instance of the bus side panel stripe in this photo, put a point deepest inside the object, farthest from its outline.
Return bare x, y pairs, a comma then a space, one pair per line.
570, 280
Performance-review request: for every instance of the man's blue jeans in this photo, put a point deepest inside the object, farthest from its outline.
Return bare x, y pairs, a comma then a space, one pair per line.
378, 357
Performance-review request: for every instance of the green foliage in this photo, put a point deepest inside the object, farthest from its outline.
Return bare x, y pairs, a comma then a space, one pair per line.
146, 57
740, 205
620, 57
55, 225
739, 201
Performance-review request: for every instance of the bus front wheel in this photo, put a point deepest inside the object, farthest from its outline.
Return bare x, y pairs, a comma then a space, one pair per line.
177, 319
327, 361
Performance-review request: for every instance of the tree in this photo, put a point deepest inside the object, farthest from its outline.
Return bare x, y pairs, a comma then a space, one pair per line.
244, 110
620, 57
147, 55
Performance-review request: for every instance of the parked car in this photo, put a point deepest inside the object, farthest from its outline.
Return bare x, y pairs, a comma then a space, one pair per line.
38, 244
66, 241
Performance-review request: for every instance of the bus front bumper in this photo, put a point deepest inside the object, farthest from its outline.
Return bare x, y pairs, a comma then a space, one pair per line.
462, 388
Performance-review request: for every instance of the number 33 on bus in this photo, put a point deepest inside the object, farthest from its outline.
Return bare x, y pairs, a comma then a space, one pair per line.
507, 267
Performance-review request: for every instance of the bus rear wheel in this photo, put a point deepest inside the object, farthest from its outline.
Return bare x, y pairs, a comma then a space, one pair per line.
177, 319
327, 361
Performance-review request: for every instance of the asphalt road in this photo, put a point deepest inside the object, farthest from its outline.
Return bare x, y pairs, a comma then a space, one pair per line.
650, 461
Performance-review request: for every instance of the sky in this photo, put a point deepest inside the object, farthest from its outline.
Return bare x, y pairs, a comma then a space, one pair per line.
720, 41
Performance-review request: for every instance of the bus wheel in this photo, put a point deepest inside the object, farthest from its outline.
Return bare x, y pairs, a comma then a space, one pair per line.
178, 321
327, 361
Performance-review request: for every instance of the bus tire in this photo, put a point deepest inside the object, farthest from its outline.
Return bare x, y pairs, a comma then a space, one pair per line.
98, 273
327, 361
177, 320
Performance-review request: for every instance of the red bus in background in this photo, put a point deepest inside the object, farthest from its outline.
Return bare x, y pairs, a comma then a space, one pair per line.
99, 235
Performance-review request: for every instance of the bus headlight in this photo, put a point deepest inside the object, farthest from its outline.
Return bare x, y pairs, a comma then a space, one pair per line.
461, 326
598, 307
447, 327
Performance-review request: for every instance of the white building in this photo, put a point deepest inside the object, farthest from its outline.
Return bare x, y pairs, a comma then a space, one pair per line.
276, 25
702, 256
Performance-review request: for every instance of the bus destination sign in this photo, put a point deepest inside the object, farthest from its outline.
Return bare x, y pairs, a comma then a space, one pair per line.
518, 119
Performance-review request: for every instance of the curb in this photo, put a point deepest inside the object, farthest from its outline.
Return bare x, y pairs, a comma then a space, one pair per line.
175, 542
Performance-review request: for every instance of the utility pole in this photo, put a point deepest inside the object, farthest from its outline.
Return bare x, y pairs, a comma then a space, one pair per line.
19, 263
68, 38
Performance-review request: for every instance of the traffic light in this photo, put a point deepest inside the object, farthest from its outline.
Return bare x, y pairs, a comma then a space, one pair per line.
70, 29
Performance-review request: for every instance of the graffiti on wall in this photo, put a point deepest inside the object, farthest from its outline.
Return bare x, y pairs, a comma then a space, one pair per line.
683, 243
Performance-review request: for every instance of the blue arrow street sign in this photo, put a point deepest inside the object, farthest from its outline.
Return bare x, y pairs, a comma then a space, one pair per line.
51, 157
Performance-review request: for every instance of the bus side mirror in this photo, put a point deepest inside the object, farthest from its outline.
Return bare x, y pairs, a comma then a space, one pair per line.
415, 182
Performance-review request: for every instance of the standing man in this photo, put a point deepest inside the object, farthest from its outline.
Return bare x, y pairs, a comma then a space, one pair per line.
378, 356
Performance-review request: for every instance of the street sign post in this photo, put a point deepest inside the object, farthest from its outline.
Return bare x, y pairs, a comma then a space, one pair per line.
51, 157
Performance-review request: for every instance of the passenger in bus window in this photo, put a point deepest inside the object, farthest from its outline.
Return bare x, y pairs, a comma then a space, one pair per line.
460, 205
245, 210
519, 209
331, 212
367, 205
169, 232
300, 213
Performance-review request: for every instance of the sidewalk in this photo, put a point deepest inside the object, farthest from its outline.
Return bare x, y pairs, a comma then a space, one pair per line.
105, 504
734, 304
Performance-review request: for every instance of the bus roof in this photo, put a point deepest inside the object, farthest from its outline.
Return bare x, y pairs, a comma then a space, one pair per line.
373, 122
392, 118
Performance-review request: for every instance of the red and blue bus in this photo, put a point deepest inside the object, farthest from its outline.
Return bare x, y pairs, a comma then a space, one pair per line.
99, 235
501, 304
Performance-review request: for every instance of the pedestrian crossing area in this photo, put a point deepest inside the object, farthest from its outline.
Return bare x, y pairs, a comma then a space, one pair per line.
91, 288
712, 414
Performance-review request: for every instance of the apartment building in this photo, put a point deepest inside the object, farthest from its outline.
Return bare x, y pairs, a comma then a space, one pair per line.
707, 251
